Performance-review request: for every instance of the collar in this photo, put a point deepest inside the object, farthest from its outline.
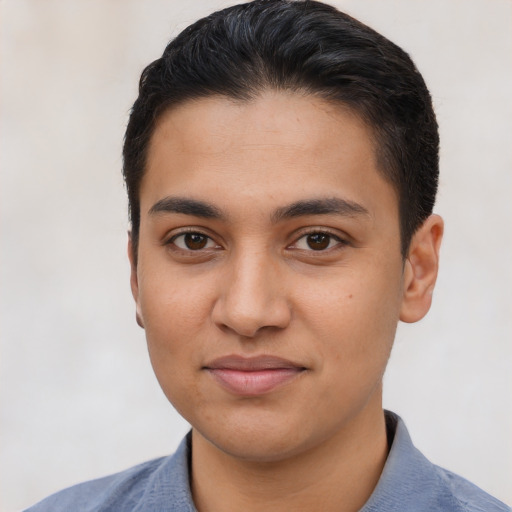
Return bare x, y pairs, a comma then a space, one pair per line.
408, 481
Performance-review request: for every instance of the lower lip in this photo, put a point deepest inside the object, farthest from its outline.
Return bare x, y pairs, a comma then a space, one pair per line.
254, 383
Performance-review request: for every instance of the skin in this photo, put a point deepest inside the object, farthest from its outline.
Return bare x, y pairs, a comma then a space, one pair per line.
321, 288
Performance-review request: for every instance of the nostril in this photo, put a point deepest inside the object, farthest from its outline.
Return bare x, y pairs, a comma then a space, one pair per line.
250, 297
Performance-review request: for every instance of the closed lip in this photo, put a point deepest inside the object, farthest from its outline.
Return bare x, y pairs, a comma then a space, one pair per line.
253, 376
251, 364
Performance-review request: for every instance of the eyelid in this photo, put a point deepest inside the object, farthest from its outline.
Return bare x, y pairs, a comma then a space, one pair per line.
175, 233
210, 244
339, 237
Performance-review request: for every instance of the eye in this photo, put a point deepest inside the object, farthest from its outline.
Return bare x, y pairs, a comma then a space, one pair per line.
193, 241
319, 241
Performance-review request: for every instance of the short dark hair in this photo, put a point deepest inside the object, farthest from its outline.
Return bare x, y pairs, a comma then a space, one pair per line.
308, 47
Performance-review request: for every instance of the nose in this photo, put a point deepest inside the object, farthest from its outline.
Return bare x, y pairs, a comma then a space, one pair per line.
252, 296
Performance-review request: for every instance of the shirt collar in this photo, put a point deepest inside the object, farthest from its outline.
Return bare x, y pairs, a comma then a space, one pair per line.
408, 481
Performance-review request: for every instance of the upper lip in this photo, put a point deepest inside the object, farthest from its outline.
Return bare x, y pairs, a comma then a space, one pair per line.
248, 364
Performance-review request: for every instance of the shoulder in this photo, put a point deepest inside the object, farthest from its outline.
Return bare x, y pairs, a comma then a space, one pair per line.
120, 491
468, 496
411, 482
154, 485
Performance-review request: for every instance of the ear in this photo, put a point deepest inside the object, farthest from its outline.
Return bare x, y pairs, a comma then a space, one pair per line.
134, 280
420, 270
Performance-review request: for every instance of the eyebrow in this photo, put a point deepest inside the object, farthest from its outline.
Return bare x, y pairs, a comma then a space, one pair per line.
187, 207
323, 206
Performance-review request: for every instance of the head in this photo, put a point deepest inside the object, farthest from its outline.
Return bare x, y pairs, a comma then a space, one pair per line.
281, 163
304, 47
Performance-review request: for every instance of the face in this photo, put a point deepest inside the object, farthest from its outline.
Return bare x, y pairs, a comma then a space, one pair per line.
269, 277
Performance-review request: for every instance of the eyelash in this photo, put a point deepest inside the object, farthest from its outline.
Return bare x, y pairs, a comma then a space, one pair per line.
339, 242
172, 240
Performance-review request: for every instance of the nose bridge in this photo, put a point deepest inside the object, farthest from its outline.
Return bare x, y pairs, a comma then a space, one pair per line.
251, 281
252, 295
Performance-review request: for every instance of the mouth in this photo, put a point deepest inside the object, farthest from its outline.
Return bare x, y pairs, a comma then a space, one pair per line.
253, 376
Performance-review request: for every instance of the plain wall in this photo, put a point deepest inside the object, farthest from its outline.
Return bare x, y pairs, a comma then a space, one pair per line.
78, 396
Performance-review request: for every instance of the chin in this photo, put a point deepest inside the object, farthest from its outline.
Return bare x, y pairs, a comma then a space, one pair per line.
258, 448
262, 439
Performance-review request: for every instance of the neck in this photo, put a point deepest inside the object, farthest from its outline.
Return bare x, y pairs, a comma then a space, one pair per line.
337, 475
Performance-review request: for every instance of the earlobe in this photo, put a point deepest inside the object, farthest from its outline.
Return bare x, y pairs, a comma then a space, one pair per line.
420, 270
134, 281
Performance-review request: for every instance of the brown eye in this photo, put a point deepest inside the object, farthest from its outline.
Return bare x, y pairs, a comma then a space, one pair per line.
318, 241
193, 241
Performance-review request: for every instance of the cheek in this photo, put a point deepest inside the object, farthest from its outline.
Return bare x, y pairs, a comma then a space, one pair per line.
354, 318
175, 311
173, 321
173, 302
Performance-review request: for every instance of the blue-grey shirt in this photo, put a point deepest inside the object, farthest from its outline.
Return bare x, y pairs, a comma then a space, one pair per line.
409, 482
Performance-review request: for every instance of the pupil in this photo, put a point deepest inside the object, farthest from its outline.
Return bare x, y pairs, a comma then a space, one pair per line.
195, 241
318, 241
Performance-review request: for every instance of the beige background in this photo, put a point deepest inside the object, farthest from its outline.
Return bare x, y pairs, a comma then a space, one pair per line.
78, 396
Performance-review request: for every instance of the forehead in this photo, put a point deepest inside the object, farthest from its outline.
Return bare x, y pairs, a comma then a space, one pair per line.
299, 120
274, 144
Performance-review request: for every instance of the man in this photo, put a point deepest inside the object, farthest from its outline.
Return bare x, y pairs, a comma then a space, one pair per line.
281, 162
